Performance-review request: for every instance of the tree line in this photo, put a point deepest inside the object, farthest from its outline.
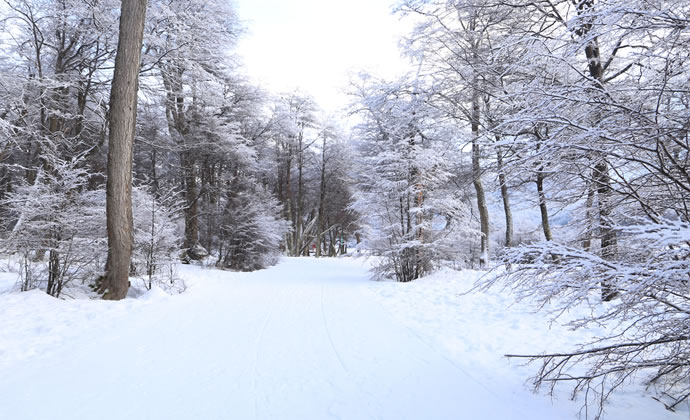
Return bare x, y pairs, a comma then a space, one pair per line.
579, 107
221, 169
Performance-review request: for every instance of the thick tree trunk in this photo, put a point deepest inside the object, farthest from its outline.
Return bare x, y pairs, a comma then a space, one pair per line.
123, 111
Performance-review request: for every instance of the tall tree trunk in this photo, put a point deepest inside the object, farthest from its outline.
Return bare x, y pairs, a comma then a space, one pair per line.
477, 179
601, 169
607, 232
290, 243
191, 195
123, 112
322, 199
299, 204
541, 193
53, 273
587, 240
343, 244
179, 127
505, 195
546, 226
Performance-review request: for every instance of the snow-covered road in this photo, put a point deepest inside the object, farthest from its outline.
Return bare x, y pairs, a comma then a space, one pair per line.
304, 340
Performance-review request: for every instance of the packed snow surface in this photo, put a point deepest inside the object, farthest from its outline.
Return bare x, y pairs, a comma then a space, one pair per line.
307, 339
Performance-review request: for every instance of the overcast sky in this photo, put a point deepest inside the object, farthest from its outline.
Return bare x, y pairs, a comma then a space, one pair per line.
314, 44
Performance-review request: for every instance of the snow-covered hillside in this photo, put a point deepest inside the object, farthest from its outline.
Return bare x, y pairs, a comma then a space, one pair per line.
307, 339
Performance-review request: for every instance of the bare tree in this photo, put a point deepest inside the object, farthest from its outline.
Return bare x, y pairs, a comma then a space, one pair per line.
612, 96
454, 43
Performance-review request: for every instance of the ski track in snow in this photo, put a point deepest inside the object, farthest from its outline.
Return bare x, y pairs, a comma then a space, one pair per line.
257, 346
307, 339
328, 333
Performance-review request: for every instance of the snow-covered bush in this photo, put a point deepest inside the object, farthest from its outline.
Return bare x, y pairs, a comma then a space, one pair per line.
157, 239
54, 216
57, 230
647, 326
252, 228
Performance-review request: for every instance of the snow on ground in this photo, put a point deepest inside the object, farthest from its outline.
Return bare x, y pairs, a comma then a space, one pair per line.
475, 330
307, 339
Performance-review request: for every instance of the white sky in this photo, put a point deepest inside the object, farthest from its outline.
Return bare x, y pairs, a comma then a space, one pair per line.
314, 44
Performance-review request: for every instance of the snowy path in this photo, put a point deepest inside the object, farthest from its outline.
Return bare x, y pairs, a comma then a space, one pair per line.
304, 340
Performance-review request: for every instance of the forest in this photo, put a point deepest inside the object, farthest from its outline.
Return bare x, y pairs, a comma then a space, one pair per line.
544, 142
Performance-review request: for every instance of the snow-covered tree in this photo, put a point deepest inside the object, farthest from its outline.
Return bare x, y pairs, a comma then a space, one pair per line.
188, 44
453, 43
411, 221
604, 114
294, 133
336, 222
54, 77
